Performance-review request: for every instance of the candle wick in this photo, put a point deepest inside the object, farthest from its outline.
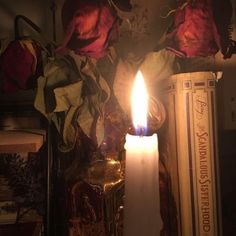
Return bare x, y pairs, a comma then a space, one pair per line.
140, 131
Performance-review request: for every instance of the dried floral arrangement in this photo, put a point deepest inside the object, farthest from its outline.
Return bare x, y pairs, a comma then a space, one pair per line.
83, 90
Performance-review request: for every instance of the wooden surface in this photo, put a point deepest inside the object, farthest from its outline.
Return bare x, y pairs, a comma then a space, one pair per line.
21, 141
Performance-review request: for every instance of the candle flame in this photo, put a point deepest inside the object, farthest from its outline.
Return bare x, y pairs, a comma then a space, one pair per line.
139, 103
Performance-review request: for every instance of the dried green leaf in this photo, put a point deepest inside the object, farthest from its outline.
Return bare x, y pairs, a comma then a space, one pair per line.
100, 130
68, 96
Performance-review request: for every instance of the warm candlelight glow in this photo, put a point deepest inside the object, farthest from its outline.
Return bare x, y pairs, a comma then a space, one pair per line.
142, 202
139, 102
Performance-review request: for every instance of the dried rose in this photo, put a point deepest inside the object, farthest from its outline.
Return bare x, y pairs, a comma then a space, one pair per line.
20, 65
91, 27
195, 33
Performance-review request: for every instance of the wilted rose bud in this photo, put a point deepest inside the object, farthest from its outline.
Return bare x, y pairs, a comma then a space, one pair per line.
20, 65
91, 27
194, 33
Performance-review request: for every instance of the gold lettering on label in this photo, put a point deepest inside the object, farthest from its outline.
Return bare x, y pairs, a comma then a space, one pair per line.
204, 179
200, 106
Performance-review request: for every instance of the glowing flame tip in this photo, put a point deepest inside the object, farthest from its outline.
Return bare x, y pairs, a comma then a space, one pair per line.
139, 102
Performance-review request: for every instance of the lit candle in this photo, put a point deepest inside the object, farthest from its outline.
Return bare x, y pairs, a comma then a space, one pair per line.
142, 200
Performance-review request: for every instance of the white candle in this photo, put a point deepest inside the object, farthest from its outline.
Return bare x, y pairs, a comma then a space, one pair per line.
142, 200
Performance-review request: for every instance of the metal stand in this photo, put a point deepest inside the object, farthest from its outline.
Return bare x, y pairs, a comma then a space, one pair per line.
48, 182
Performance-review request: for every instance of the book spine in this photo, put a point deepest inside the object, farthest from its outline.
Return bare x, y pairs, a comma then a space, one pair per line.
192, 152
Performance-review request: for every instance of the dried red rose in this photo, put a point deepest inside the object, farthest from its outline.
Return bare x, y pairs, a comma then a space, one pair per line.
194, 33
20, 65
91, 27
